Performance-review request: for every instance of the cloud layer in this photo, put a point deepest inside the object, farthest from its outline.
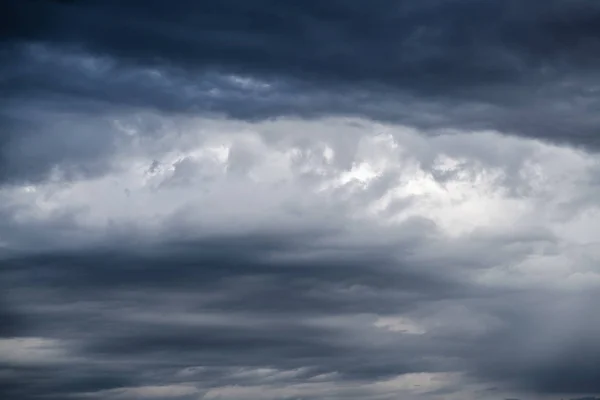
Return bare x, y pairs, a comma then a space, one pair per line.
299, 200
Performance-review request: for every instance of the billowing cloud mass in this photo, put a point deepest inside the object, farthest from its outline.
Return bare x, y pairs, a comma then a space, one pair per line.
268, 200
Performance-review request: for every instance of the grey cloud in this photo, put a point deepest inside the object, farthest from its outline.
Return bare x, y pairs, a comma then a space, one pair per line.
430, 44
222, 303
13, 323
236, 310
100, 90
549, 346
516, 66
53, 383
40, 144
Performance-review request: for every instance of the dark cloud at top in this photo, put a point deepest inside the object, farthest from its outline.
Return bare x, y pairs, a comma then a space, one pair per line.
518, 66
431, 45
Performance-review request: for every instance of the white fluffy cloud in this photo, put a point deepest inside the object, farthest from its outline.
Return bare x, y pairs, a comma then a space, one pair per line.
532, 201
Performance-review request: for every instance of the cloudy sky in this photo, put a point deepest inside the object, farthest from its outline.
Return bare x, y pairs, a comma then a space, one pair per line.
299, 199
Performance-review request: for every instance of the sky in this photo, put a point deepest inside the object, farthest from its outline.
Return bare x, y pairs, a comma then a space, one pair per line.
299, 199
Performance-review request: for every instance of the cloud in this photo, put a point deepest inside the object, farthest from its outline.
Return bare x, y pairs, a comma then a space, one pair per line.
515, 66
299, 200
277, 245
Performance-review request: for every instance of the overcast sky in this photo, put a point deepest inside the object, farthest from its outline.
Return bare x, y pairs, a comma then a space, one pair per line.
299, 199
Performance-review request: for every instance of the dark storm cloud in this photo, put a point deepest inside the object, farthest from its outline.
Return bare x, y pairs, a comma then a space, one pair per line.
244, 274
217, 303
12, 322
429, 44
548, 346
29, 383
221, 303
519, 66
